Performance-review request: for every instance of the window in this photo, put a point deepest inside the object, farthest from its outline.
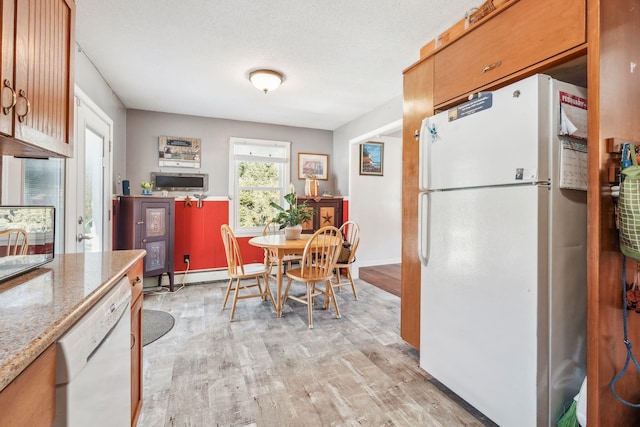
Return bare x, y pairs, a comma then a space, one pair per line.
44, 186
259, 172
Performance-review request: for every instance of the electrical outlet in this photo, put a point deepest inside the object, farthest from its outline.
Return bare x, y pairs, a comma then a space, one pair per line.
186, 258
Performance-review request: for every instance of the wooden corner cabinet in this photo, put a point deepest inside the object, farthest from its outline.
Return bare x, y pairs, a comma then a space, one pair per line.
36, 78
147, 222
328, 211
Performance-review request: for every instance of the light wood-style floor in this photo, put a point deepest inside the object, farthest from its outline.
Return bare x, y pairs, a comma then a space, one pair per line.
263, 371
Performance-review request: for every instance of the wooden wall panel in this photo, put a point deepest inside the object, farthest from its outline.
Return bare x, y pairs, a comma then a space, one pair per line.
614, 111
417, 104
197, 233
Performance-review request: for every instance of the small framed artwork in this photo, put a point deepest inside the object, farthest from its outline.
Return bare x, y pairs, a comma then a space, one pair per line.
313, 166
372, 158
179, 152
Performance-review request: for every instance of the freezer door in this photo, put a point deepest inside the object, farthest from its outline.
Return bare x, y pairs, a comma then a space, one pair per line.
480, 295
501, 140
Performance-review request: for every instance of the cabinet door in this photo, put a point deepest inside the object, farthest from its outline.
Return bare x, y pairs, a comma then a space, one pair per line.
6, 67
329, 213
156, 236
136, 359
522, 35
43, 114
29, 400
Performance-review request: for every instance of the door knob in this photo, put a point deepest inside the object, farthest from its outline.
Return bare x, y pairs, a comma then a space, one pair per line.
82, 237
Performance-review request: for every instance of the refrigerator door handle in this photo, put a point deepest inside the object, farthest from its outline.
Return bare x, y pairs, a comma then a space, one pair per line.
424, 230
422, 147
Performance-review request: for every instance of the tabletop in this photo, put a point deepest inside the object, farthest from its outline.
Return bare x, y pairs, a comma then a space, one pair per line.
277, 241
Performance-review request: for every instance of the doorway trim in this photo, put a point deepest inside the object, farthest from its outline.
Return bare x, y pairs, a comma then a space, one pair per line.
81, 98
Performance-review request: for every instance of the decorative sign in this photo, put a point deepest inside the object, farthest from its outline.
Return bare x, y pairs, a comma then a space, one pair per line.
179, 152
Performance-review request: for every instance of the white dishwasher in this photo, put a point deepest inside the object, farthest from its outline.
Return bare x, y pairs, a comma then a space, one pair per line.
93, 365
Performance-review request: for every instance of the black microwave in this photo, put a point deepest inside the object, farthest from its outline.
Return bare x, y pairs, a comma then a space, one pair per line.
27, 238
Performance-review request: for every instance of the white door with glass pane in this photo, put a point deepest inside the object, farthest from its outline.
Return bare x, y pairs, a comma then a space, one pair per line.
89, 197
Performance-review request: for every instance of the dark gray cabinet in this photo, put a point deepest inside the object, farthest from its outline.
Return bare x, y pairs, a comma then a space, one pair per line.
147, 222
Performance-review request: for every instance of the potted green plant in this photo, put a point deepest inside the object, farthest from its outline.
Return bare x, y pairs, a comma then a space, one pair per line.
291, 219
146, 187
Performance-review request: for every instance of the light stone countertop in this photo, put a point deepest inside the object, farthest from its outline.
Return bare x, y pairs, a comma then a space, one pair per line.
39, 306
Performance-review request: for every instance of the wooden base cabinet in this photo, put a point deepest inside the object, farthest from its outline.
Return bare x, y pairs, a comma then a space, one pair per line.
147, 222
328, 211
135, 278
29, 400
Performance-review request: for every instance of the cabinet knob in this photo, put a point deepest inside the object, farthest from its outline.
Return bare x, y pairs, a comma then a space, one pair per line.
22, 94
6, 110
416, 135
140, 222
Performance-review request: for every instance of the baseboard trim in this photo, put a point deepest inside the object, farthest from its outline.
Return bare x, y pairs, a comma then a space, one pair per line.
188, 278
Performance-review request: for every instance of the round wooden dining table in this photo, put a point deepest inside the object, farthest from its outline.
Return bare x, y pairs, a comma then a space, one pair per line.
280, 247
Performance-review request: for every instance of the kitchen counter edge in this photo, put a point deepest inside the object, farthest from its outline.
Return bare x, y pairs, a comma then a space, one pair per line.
119, 263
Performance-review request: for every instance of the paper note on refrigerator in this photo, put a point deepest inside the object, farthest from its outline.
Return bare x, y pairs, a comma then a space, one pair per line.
573, 116
573, 165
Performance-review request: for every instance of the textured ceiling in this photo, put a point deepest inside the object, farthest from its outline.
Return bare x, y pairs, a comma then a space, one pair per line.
340, 58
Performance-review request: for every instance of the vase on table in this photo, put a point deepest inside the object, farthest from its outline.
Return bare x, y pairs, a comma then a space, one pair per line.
293, 232
311, 187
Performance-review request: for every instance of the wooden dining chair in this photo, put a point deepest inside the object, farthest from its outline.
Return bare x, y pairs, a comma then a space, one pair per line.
15, 241
272, 229
318, 260
351, 235
239, 271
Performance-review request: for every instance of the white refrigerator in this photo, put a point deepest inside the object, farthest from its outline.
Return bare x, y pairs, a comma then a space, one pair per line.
503, 251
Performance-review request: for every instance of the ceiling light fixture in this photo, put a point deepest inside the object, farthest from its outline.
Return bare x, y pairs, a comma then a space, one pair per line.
266, 80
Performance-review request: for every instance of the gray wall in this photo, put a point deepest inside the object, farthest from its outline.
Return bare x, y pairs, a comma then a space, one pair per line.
144, 128
135, 150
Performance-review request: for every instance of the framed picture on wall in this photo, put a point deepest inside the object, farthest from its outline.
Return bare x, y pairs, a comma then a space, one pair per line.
179, 152
372, 158
313, 166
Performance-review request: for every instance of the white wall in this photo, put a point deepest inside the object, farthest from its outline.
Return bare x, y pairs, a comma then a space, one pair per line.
376, 205
389, 112
374, 201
